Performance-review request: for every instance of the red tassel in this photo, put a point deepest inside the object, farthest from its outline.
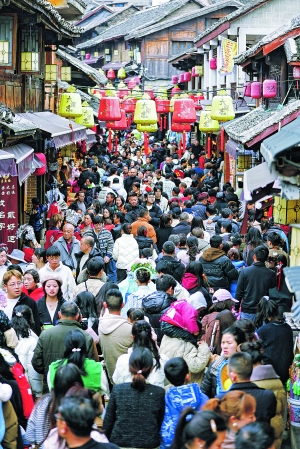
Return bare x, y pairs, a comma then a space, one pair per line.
109, 141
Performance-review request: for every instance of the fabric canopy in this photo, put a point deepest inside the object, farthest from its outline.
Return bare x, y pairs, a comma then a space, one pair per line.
23, 155
7, 164
257, 177
113, 65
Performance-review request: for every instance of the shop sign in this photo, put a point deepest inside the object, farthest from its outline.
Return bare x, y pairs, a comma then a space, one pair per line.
229, 50
9, 211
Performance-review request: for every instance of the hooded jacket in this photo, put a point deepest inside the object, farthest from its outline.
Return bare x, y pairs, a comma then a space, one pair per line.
155, 213
155, 306
218, 269
126, 251
68, 285
115, 339
183, 227
119, 190
176, 267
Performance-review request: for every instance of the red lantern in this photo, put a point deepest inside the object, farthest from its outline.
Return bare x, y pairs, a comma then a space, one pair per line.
131, 84
180, 127
213, 64
256, 90
109, 109
129, 105
176, 90
247, 89
162, 105
119, 125
296, 74
40, 171
110, 74
181, 78
269, 88
184, 111
150, 92
197, 102
175, 79
187, 77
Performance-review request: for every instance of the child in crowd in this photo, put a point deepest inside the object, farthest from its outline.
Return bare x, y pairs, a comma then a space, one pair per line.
235, 257
182, 395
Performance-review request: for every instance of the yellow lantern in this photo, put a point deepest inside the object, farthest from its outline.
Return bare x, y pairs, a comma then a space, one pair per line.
199, 70
137, 93
66, 73
121, 73
50, 72
162, 93
110, 86
145, 111
101, 71
207, 124
87, 117
147, 128
222, 107
70, 103
172, 101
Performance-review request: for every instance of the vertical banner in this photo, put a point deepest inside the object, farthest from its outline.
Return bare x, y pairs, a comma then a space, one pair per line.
9, 211
229, 50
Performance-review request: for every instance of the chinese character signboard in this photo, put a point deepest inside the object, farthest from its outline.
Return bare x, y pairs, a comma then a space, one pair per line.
9, 211
229, 50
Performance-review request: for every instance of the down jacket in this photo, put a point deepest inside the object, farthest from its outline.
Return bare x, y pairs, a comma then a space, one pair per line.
126, 251
264, 376
218, 269
196, 357
155, 306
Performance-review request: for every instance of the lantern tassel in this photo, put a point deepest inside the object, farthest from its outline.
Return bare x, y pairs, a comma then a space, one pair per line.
184, 141
165, 122
222, 138
72, 131
160, 122
146, 146
116, 145
109, 141
208, 146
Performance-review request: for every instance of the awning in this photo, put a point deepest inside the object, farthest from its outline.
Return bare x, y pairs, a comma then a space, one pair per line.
257, 177
7, 164
92, 60
114, 65
232, 148
37, 163
23, 155
57, 127
286, 138
90, 136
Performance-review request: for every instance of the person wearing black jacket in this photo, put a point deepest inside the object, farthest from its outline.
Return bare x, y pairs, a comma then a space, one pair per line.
119, 219
83, 175
158, 302
63, 181
87, 249
131, 179
155, 211
176, 267
240, 369
80, 203
134, 212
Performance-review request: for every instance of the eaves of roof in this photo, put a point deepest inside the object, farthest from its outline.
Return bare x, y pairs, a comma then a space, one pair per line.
49, 16
224, 23
107, 18
141, 19
182, 55
94, 74
276, 39
94, 11
168, 23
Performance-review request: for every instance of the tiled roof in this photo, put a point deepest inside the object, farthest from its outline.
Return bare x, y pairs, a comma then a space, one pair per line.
168, 23
180, 55
20, 126
255, 122
141, 19
231, 17
96, 21
292, 50
94, 74
281, 31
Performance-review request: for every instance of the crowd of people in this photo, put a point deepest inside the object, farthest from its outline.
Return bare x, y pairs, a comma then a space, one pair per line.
144, 303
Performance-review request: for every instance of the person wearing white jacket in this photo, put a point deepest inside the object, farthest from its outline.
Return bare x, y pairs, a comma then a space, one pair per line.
125, 252
22, 319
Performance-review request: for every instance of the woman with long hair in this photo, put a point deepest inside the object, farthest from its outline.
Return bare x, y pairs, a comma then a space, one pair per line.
164, 230
54, 231
145, 288
39, 258
206, 429
3, 261
193, 280
22, 322
135, 409
31, 285
49, 305
92, 374
197, 222
281, 294
264, 376
224, 320
100, 297
142, 338
120, 202
108, 218
277, 337
192, 253
42, 418
216, 379
253, 239
237, 408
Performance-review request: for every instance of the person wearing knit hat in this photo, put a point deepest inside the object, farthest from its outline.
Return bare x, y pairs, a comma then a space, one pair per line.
222, 295
199, 209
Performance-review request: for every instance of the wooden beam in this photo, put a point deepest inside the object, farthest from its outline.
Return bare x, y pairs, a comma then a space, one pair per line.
272, 129
268, 48
213, 34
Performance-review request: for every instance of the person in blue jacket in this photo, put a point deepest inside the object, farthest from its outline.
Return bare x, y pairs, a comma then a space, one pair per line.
36, 219
178, 397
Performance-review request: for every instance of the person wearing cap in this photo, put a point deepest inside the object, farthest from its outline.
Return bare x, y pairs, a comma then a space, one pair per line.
50, 346
68, 245
199, 209
183, 227
17, 258
217, 268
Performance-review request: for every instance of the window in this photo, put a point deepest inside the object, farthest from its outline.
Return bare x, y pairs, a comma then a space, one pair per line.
180, 47
6, 40
30, 56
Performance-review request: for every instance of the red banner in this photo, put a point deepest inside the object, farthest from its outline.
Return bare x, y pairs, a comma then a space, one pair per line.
9, 211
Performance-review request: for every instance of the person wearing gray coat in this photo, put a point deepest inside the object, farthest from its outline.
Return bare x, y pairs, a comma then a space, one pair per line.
68, 246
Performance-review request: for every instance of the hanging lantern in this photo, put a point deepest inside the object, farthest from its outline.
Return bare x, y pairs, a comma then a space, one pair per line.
145, 111
176, 90
147, 128
213, 64
123, 90
110, 74
193, 73
161, 92
70, 104
187, 77
131, 84
137, 93
149, 90
101, 71
180, 127
269, 89
88, 56
172, 101
96, 54
50, 72
175, 79
256, 90
184, 110
162, 105
181, 78
198, 70
99, 93
207, 124
222, 107
66, 73
247, 89
42, 170
197, 101
30, 61
296, 74
119, 125
137, 79
128, 104
87, 117
109, 86
121, 73
109, 109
